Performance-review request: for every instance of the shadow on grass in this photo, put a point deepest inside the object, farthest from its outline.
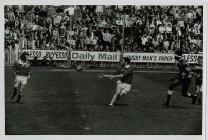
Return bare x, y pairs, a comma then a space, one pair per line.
14, 102
121, 104
177, 106
117, 104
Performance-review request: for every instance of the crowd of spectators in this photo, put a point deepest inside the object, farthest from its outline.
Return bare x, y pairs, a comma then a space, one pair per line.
105, 28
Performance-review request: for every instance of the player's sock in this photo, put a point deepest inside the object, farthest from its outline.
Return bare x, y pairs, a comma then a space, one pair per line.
14, 93
18, 98
199, 100
118, 97
170, 92
194, 98
168, 100
113, 99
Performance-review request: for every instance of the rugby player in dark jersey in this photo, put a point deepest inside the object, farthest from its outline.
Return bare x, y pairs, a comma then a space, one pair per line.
198, 81
182, 78
21, 73
125, 75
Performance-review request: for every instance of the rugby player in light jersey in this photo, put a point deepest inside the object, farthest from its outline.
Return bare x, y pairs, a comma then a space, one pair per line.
125, 75
21, 72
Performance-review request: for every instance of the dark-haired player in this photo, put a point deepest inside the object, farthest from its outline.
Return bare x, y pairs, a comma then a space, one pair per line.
198, 81
21, 73
125, 75
182, 78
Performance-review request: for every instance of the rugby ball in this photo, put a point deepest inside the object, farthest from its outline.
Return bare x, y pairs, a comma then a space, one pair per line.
79, 67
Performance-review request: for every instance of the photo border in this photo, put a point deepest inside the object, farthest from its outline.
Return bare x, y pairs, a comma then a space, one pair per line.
104, 2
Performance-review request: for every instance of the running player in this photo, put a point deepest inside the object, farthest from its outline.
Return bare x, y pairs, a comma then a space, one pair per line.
198, 81
125, 75
21, 72
182, 78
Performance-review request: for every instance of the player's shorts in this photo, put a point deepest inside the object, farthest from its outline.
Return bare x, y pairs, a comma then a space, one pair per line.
198, 82
20, 80
125, 88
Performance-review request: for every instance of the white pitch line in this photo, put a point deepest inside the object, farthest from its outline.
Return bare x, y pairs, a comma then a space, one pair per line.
137, 71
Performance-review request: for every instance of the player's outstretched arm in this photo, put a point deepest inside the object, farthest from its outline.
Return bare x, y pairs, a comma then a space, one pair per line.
117, 76
104, 75
110, 76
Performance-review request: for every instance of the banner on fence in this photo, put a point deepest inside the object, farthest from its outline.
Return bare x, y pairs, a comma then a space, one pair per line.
109, 56
54, 54
151, 57
95, 56
159, 57
192, 58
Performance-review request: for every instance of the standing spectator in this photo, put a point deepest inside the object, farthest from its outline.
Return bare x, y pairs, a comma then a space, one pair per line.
107, 38
144, 40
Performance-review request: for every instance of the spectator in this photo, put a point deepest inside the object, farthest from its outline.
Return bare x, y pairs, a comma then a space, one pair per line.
96, 28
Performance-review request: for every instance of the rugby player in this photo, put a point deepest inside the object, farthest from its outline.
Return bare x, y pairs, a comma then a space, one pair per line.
198, 81
182, 78
125, 75
21, 72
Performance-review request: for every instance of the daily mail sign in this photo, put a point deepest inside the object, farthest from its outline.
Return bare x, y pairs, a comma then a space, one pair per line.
95, 56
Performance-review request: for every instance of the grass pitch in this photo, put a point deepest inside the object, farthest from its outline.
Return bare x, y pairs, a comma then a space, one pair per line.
76, 103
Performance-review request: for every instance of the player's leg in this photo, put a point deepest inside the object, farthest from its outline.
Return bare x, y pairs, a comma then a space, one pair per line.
198, 90
20, 93
199, 94
14, 93
173, 84
186, 82
117, 94
115, 97
15, 88
185, 86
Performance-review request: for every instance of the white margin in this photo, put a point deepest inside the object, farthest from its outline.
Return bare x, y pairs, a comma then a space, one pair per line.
101, 2
2, 89
205, 70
